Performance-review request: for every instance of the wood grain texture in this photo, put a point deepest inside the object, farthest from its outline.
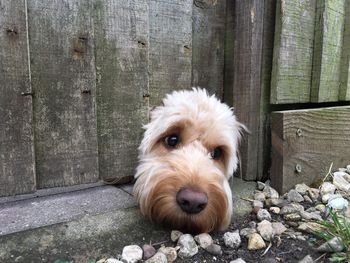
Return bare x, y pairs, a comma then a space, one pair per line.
170, 50
306, 142
344, 89
327, 50
64, 83
122, 43
208, 38
17, 172
292, 55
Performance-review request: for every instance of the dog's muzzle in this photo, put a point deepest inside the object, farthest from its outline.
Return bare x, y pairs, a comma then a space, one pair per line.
191, 201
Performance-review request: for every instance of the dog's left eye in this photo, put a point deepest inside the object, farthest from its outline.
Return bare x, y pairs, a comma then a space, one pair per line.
172, 140
216, 153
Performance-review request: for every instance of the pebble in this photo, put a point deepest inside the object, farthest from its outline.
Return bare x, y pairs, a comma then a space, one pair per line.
275, 210
257, 203
301, 188
275, 202
291, 223
203, 240
347, 177
348, 168
294, 196
260, 185
252, 224
256, 242
169, 252
310, 215
310, 227
306, 259
307, 199
159, 257
246, 232
337, 202
232, 239
132, 253
270, 192
325, 198
214, 249
263, 214
340, 182
320, 207
333, 245
113, 260
313, 193
188, 247
175, 235
238, 260
291, 208
148, 251
292, 217
260, 196
327, 188
265, 230
278, 228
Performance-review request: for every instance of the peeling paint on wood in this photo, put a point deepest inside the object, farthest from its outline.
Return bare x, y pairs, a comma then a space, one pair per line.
63, 80
122, 43
17, 172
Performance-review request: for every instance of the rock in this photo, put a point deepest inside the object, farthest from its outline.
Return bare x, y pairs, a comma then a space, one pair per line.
232, 239
313, 193
252, 224
307, 199
306, 259
214, 249
325, 198
159, 257
348, 168
278, 228
263, 214
132, 253
203, 240
279, 202
320, 207
175, 235
340, 182
260, 196
310, 216
337, 202
188, 247
148, 251
291, 208
265, 230
274, 209
112, 260
246, 232
294, 196
238, 260
291, 223
260, 185
301, 188
333, 245
292, 217
270, 192
169, 252
327, 188
310, 227
347, 177
256, 242
301, 238
257, 203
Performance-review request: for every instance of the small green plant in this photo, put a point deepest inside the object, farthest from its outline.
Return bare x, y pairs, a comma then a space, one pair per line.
339, 227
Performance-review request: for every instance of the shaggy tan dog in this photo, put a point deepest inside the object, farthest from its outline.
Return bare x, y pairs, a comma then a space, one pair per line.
187, 155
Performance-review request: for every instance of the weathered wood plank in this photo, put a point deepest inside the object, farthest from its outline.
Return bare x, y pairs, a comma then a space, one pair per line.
251, 50
170, 52
122, 42
327, 50
17, 172
64, 82
344, 90
292, 58
306, 142
208, 39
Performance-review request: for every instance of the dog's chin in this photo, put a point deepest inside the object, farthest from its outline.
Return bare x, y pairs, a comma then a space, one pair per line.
161, 207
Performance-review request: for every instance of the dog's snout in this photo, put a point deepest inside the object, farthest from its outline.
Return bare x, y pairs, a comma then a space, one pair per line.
191, 201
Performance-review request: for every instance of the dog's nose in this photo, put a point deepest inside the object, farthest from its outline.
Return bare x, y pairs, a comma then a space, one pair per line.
191, 201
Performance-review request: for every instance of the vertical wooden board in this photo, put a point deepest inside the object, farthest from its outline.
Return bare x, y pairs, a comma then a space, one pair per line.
306, 142
122, 42
208, 36
64, 81
247, 55
327, 50
17, 173
344, 90
292, 55
170, 52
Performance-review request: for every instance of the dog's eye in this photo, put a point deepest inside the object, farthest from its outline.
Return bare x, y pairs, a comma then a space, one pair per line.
216, 153
172, 140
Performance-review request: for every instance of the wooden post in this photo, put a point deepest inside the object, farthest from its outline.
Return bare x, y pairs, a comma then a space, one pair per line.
344, 91
17, 172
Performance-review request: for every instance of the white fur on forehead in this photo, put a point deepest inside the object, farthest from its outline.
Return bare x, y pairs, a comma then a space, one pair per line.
193, 104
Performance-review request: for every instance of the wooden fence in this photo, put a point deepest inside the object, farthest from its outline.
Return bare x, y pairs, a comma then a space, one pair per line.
77, 78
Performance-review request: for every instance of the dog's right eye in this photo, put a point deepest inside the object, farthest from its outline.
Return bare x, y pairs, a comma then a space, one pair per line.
172, 140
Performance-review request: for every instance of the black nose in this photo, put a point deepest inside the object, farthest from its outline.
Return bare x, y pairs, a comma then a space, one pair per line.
191, 201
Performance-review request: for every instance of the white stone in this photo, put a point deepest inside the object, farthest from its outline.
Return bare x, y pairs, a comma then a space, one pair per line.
203, 240
238, 260
310, 215
246, 232
169, 252
340, 182
327, 188
294, 196
257, 203
274, 209
278, 228
132, 253
348, 168
320, 207
301, 188
265, 230
333, 245
313, 193
159, 257
270, 192
260, 196
175, 234
263, 214
112, 260
260, 185
337, 202
325, 198
306, 259
188, 247
256, 242
291, 208
307, 199
232, 239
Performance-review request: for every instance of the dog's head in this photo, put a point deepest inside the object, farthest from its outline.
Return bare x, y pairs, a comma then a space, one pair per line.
187, 155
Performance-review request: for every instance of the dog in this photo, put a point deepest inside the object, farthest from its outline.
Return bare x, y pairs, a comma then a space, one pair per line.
186, 157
